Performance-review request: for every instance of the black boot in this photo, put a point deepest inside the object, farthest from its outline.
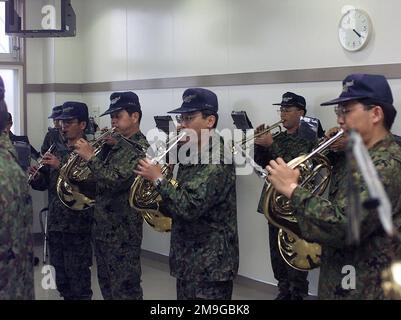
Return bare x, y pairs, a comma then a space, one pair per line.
283, 295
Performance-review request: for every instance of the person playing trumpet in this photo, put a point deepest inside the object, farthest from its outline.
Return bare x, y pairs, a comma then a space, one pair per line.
365, 105
292, 284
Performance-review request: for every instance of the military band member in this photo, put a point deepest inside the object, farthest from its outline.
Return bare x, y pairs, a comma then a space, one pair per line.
69, 230
118, 228
292, 284
16, 216
204, 236
365, 105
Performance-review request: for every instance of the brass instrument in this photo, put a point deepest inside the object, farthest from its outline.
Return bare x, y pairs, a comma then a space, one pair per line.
33, 175
75, 184
144, 197
264, 131
297, 252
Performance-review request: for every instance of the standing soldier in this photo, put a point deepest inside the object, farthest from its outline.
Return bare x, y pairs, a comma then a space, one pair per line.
365, 105
118, 228
292, 284
69, 230
204, 235
16, 244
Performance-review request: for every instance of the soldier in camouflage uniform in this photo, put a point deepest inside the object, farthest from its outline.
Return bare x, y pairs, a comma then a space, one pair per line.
16, 243
289, 144
53, 135
117, 229
69, 230
204, 236
365, 105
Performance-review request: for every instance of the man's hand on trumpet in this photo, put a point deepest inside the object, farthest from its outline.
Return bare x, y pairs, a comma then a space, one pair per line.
340, 144
264, 140
283, 178
51, 160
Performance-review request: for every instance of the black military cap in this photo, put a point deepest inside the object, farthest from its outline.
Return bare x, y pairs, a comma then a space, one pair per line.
56, 111
197, 99
122, 100
366, 87
74, 110
292, 99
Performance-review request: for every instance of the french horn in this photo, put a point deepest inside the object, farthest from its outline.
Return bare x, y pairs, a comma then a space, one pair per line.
315, 175
145, 198
75, 184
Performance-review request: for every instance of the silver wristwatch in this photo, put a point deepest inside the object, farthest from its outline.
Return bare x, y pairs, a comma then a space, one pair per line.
158, 182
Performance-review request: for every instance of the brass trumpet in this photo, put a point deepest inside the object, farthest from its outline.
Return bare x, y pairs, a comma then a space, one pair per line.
32, 176
264, 131
297, 252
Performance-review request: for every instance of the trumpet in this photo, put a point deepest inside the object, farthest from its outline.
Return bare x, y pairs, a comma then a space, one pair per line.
264, 131
33, 175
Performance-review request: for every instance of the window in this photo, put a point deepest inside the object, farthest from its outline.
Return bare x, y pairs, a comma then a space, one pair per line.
13, 98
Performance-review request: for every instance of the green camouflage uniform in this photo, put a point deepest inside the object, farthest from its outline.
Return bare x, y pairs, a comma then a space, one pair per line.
325, 222
69, 235
204, 235
6, 144
117, 228
288, 147
16, 245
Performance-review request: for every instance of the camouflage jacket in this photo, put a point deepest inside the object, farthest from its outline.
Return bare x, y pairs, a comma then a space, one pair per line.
61, 218
325, 222
6, 144
204, 235
16, 216
286, 146
115, 221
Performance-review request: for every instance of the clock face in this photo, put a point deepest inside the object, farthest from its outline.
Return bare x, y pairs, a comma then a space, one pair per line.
354, 29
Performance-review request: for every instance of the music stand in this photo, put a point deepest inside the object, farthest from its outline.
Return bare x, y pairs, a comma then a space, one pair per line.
241, 120
310, 128
163, 123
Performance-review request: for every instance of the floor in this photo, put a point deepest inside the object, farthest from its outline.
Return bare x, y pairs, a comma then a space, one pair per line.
157, 283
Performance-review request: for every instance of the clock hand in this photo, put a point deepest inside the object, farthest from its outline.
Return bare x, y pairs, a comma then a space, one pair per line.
357, 33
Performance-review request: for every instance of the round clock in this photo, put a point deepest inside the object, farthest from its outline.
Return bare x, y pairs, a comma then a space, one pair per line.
354, 29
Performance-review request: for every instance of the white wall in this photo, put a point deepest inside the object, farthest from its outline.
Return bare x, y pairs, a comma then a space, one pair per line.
127, 40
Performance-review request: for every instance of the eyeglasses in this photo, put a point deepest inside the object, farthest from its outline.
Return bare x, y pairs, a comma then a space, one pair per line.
341, 111
286, 110
184, 118
69, 122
